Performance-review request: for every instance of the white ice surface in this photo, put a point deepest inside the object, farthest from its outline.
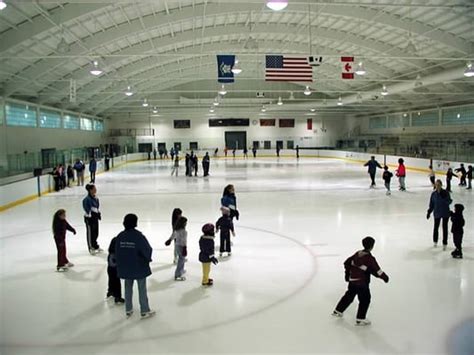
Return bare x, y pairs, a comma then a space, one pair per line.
299, 221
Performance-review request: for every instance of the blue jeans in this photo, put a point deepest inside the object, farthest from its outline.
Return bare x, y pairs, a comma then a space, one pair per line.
142, 295
181, 260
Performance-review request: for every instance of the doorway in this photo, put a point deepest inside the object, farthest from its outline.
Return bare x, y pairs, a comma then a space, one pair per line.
236, 140
145, 147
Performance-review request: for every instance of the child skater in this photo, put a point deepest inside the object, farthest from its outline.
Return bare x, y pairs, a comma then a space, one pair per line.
432, 176
70, 175
230, 201
457, 229
180, 237
401, 173
387, 176
469, 177
175, 166
60, 226
358, 269
115, 288
206, 255
175, 215
225, 225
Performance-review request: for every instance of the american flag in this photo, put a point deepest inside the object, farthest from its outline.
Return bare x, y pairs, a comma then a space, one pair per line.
287, 68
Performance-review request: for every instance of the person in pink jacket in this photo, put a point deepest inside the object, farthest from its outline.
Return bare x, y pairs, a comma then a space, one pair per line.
401, 174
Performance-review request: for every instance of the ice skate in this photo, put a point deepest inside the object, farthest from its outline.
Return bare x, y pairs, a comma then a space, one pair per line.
92, 251
148, 314
62, 269
363, 322
69, 264
181, 278
129, 314
99, 250
337, 314
119, 300
109, 294
388, 193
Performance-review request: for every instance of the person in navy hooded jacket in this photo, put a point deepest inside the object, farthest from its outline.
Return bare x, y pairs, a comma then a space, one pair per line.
230, 201
92, 216
439, 206
133, 258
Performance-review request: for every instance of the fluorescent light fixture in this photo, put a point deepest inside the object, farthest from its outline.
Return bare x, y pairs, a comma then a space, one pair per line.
360, 70
469, 72
419, 113
155, 109
280, 102
236, 69
313, 110
384, 91
405, 115
216, 102
222, 91
145, 103
95, 70
264, 109
339, 101
307, 91
277, 5
2, 5
458, 115
129, 91
211, 110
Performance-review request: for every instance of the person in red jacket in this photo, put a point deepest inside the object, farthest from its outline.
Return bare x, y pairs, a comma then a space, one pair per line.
401, 173
60, 227
358, 269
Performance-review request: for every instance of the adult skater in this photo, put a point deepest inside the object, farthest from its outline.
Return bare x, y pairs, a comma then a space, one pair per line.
358, 269
195, 165
401, 174
225, 151
278, 150
297, 152
462, 179
230, 201
79, 167
175, 215
233, 153
107, 162
449, 177
432, 176
187, 162
246, 153
439, 206
175, 168
372, 165
92, 169
469, 177
172, 153
133, 256
92, 216
254, 152
215, 152
154, 154
206, 163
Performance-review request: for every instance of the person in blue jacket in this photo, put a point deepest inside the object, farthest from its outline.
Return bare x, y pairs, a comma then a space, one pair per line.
230, 201
439, 206
133, 258
93, 169
92, 216
372, 165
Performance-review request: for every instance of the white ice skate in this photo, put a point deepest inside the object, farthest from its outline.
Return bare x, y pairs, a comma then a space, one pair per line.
337, 314
181, 278
363, 322
148, 314
69, 264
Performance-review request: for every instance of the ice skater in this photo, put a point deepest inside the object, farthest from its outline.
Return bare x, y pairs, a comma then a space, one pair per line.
175, 215
226, 227
449, 177
79, 167
246, 153
60, 227
195, 164
432, 176
387, 176
187, 162
92, 216
233, 153
229, 200
278, 150
254, 151
92, 169
462, 179
457, 229
70, 175
133, 254
180, 238
358, 269
372, 165
115, 288
206, 163
206, 254
175, 169
439, 206
297, 152
469, 177
401, 174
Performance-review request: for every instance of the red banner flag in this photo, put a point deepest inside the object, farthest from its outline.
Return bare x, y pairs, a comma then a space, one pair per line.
347, 67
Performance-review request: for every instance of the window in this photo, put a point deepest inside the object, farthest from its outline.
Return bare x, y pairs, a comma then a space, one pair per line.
425, 118
377, 122
286, 123
21, 115
458, 116
267, 122
398, 120
86, 124
98, 126
229, 122
50, 119
70, 122
182, 124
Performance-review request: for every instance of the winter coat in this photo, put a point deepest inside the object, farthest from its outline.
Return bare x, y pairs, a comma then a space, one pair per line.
469, 173
372, 166
229, 201
206, 245
133, 255
401, 171
93, 166
360, 266
60, 229
439, 204
387, 176
457, 220
225, 225
180, 236
79, 166
91, 205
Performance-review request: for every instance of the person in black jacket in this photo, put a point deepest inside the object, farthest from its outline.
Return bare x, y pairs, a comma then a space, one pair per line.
469, 177
387, 176
115, 288
457, 229
206, 163
449, 177
225, 225
462, 179
372, 165
206, 255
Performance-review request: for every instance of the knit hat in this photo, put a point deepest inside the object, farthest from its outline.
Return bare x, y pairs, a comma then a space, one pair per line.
225, 210
208, 229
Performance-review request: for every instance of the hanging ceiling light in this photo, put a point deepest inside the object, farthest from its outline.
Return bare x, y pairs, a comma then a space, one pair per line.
469, 72
155, 109
360, 70
418, 82
384, 91
458, 115
222, 91
95, 70
145, 103
216, 102
2, 5
211, 110
128, 91
264, 109
339, 101
307, 91
313, 110
280, 102
277, 5
236, 69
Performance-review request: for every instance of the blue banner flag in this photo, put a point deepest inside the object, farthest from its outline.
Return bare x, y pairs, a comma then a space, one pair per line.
225, 63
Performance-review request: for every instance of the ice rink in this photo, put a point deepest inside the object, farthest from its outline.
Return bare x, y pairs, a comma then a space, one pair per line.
299, 222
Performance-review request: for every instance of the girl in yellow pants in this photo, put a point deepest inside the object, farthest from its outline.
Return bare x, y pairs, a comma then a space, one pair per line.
206, 255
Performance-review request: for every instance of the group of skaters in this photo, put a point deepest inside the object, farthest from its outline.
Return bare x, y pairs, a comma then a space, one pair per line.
65, 177
130, 253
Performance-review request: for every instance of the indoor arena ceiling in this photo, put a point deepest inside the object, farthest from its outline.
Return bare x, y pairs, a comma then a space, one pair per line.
165, 50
